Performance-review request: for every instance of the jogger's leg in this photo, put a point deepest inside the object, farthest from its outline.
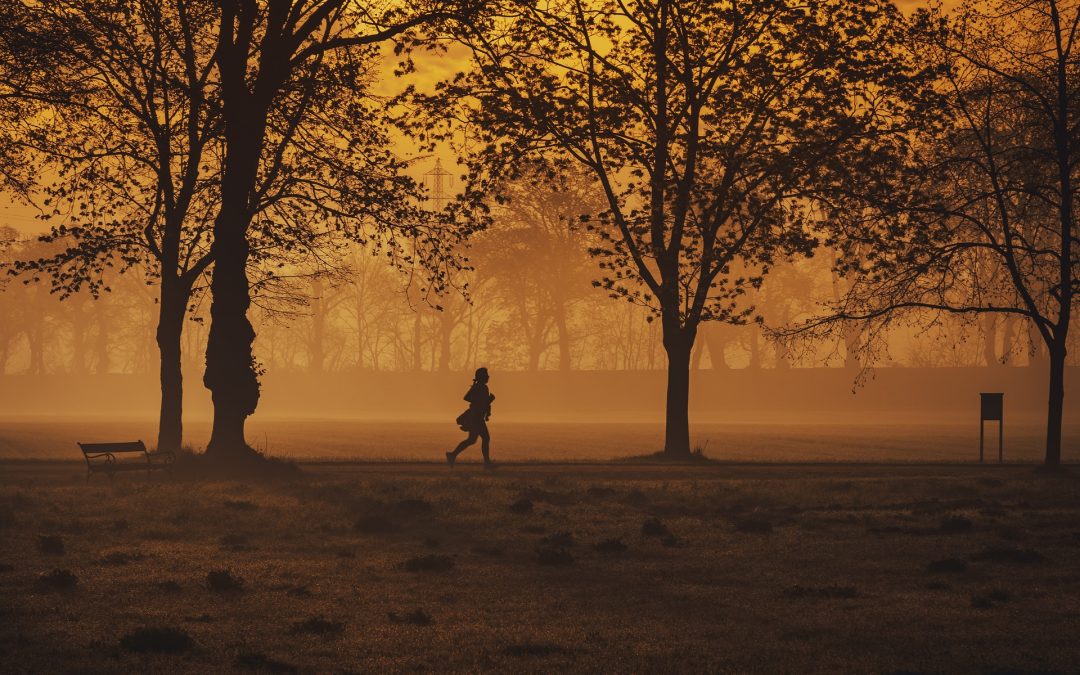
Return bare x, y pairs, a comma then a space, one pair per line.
485, 446
465, 443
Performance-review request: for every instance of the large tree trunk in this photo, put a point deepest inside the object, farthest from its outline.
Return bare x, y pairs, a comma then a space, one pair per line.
170, 330
230, 367
678, 343
1056, 404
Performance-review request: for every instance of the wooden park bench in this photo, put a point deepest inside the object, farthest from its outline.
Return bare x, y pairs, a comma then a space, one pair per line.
102, 458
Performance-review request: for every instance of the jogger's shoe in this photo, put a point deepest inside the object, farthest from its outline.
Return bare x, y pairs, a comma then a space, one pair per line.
450, 458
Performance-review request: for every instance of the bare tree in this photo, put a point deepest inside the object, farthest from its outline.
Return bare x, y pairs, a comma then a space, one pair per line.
706, 124
980, 221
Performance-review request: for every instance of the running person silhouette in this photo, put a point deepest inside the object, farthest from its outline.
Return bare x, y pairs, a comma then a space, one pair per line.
474, 420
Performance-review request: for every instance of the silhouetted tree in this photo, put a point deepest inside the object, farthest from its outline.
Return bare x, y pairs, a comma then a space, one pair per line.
982, 221
127, 129
280, 62
706, 125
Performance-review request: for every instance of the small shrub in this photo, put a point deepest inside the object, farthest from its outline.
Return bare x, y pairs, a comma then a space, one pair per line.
262, 663
610, 546
157, 640
299, 592
948, 566
824, 592
559, 540
224, 581
417, 617
50, 544
671, 541
1005, 554
376, 523
428, 563
956, 525
317, 625
553, 555
636, 497
654, 528
988, 599
57, 580
169, 586
522, 506
415, 507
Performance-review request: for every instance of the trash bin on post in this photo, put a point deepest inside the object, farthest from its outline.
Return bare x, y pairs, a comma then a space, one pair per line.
991, 409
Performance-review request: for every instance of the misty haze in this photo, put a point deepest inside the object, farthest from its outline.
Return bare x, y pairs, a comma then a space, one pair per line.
517, 336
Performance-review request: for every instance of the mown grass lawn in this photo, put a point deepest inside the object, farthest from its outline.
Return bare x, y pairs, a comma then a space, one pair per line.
602, 567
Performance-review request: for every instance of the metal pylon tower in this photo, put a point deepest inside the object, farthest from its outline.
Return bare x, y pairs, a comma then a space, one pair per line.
436, 181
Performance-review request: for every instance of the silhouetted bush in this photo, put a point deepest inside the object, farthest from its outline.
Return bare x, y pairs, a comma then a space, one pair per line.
50, 544
318, 625
417, 617
57, 580
415, 507
157, 640
948, 565
987, 599
224, 581
522, 506
428, 563
376, 523
610, 546
264, 664
553, 555
654, 528
559, 540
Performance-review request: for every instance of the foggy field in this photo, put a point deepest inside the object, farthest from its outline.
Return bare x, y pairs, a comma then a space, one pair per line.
385, 567
46, 438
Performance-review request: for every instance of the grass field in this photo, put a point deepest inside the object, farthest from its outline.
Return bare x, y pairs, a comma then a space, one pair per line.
343, 439
543, 567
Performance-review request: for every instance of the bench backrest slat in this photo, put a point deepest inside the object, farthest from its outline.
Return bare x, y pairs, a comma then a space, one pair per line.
92, 448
